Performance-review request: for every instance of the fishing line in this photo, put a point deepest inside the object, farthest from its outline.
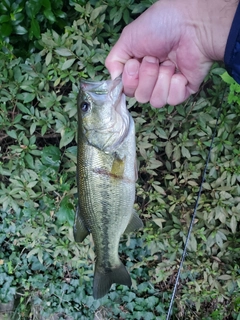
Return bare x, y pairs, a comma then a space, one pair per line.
194, 212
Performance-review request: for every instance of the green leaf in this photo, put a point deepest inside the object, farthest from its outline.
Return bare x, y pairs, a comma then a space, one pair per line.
20, 30
162, 134
33, 127
49, 15
22, 108
6, 29
29, 160
33, 252
117, 17
200, 104
192, 183
95, 13
185, 152
66, 212
48, 58
233, 224
126, 16
12, 134
139, 8
159, 222
67, 64
192, 243
67, 138
28, 97
43, 129
225, 277
4, 18
227, 78
32, 184
64, 52
33, 8
35, 28
159, 189
51, 157
168, 149
46, 4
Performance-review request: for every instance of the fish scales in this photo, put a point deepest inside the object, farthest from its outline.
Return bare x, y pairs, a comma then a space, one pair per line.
106, 175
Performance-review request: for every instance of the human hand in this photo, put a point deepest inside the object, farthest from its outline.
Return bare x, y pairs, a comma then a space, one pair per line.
165, 53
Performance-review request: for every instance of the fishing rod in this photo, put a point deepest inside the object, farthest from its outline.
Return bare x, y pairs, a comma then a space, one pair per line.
194, 212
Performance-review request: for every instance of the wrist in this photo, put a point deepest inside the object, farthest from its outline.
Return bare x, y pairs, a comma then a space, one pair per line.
216, 25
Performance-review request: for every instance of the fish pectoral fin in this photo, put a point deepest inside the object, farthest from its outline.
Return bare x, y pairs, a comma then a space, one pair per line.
136, 169
79, 230
103, 279
134, 224
118, 167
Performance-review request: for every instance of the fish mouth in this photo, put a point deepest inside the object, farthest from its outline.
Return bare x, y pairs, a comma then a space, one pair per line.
100, 90
103, 86
116, 126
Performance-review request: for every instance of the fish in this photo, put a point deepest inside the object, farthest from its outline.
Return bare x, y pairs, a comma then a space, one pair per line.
106, 177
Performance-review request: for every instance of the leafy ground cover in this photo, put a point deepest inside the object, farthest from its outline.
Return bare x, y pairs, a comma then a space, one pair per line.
39, 261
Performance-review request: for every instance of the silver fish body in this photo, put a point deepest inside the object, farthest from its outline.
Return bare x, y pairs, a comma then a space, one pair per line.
106, 175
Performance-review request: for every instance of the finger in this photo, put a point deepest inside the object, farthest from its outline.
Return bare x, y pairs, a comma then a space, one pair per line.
130, 76
115, 62
178, 91
148, 74
119, 55
160, 93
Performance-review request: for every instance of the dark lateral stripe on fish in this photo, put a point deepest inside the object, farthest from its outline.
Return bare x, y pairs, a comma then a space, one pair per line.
112, 175
105, 236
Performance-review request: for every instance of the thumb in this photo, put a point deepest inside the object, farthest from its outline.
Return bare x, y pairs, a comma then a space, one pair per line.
117, 58
114, 67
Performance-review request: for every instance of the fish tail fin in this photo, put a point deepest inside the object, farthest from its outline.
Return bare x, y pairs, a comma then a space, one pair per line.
103, 279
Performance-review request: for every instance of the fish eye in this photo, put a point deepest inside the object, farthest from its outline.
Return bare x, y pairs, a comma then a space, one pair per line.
85, 106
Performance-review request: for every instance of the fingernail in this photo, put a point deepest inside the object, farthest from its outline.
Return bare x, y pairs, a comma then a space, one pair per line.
132, 68
115, 74
151, 59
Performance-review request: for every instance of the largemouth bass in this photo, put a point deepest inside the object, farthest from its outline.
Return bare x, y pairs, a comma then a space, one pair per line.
106, 175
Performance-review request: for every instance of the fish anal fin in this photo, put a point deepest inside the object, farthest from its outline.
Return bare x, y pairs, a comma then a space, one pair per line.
134, 224
79, 230
103, 279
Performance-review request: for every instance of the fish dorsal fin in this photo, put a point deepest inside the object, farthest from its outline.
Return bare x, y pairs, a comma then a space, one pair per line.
134, 224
